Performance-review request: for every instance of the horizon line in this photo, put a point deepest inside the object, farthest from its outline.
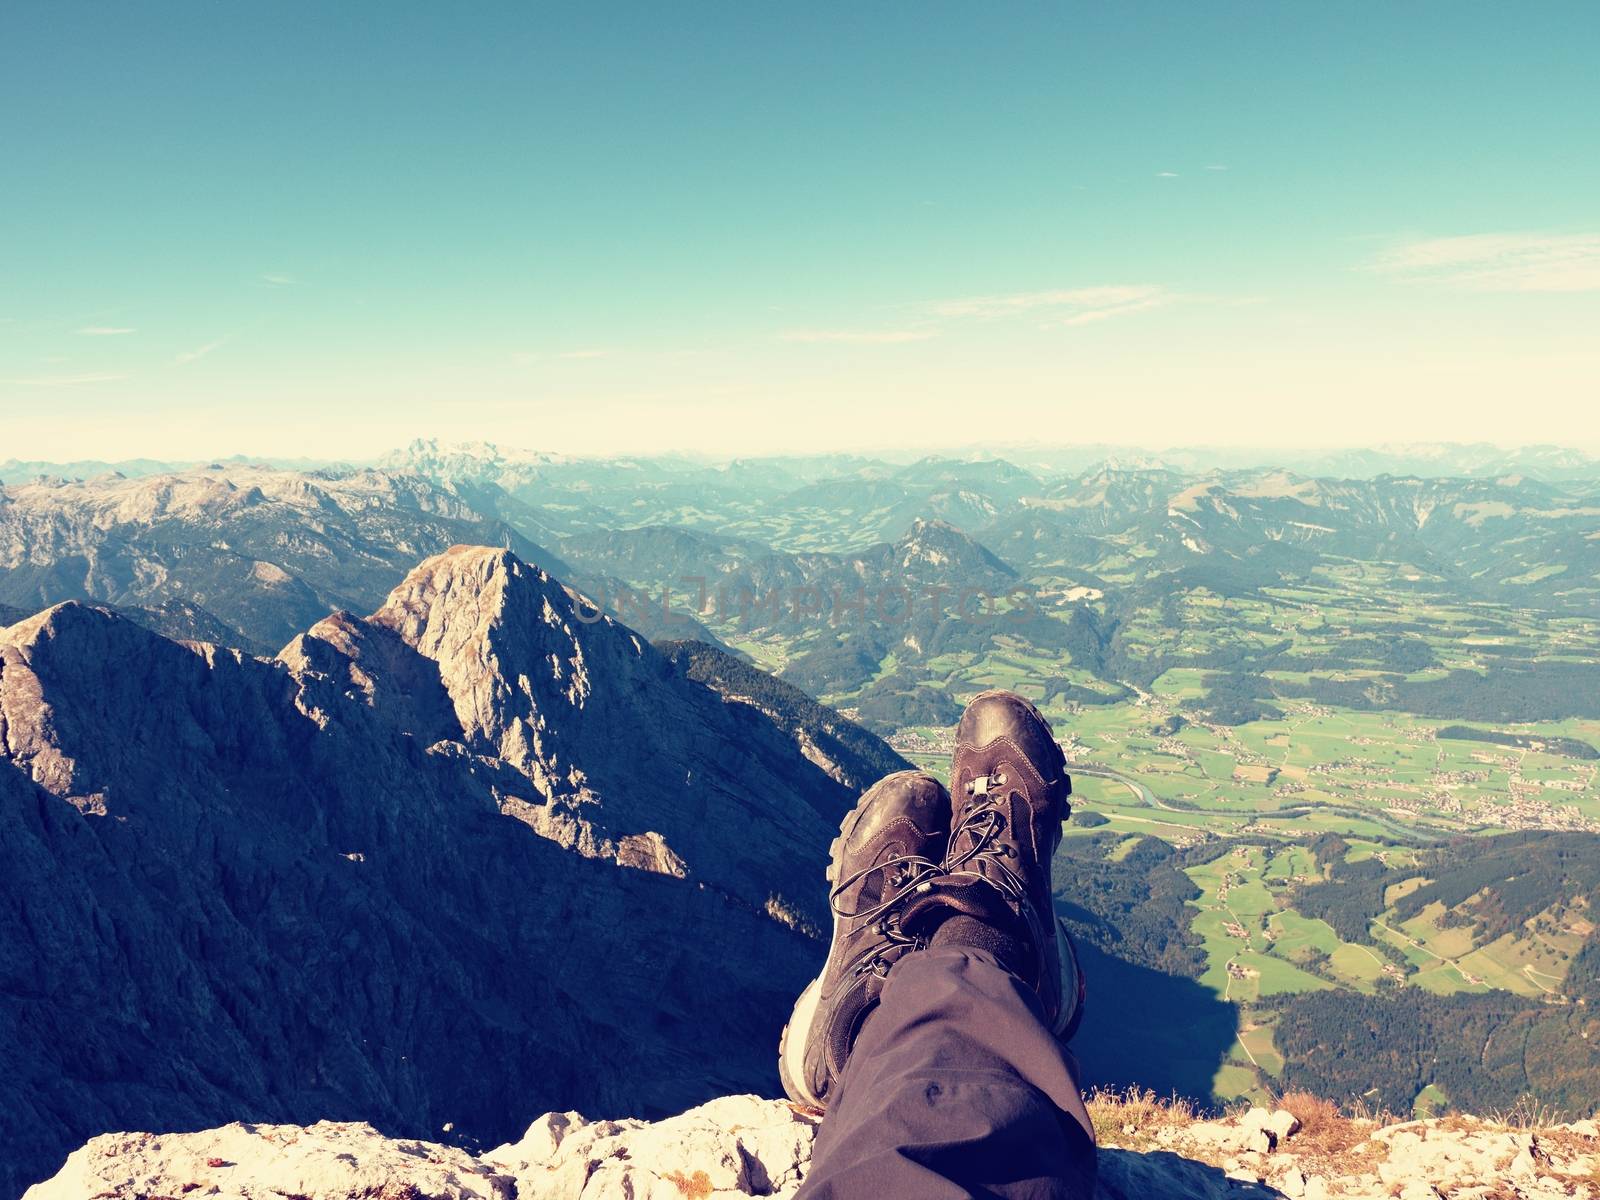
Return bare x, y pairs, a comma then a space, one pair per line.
888, 453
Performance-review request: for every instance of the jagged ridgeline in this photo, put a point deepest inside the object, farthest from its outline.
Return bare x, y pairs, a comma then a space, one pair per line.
471, 858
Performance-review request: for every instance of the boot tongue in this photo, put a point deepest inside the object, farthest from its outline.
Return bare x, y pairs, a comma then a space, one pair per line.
972, 897
978, 915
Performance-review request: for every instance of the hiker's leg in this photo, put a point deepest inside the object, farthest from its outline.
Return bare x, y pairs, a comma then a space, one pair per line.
955, 1088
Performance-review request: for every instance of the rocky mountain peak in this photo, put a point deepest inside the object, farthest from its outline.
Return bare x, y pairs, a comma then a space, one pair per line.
63, 637
372, 663
228, 868
513, 651
432, 457
469, 593
479, 652
41, 624
936, 546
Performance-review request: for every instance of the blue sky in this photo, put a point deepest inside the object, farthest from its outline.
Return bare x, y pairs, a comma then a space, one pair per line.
327, 228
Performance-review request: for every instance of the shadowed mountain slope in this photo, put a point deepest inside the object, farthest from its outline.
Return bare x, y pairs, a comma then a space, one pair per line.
462, 861
847, 752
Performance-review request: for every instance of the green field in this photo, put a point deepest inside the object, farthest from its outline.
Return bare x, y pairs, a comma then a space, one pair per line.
1156, 764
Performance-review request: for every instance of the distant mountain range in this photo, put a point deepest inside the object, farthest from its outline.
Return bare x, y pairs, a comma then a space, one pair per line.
1428, 460
14, 470
465, 860
1423, 459
509, 466
256, 553
843, 564
1485, 537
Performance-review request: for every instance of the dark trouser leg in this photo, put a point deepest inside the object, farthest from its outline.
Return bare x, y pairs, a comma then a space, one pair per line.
954, 1088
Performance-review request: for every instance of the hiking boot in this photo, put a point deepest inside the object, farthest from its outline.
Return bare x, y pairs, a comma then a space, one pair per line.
1009, 788
889, 845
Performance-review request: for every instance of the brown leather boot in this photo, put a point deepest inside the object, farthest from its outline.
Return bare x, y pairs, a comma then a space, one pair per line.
1009, 785
891, 844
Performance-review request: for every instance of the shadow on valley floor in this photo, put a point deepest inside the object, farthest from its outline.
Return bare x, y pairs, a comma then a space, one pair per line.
1149, 1029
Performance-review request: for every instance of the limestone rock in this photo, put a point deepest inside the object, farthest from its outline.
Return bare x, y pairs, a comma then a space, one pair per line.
741, 1146
1282, 1125
735, 1146
328, 1161
1265, 1130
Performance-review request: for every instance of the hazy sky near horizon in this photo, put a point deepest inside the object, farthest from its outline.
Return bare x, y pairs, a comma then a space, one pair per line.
324, 229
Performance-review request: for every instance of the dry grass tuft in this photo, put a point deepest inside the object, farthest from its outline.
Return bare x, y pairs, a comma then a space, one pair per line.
1323, 1128
693, 1187
1315, 1114
1529, 1114
1132, 1118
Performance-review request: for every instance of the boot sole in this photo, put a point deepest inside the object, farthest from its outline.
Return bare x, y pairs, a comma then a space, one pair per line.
1071, 1006
792, 1054
792, 1051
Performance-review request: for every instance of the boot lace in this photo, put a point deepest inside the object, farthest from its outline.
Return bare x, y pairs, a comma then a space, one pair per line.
881, 957
904, 874
975, 843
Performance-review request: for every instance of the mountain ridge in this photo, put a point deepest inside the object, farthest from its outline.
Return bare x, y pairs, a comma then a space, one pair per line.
228, 869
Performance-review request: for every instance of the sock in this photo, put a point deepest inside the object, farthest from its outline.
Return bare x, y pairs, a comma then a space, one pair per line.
962, 930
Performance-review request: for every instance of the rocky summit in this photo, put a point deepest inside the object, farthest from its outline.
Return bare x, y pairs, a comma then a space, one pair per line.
743, 1146
480, 854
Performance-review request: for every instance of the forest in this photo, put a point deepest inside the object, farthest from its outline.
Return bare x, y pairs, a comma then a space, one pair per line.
1487, 1052
1508, 880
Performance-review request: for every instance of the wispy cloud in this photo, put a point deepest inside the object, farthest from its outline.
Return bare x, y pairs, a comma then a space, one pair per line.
64, 380
188, 356
1056, 309
1166, 174
527, 358
859, 337
105, 330
276, 279
1070, 306
1499, 262
1089, 316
